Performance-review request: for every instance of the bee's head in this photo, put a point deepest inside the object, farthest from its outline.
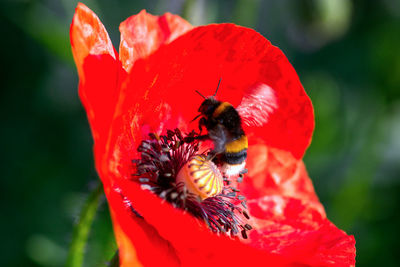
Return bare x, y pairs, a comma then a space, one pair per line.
210, 103
208, 106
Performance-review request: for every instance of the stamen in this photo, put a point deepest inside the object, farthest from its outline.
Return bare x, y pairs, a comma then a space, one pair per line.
172, 167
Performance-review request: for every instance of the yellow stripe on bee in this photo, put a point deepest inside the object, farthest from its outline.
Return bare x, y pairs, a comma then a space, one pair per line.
221, 109
237, 145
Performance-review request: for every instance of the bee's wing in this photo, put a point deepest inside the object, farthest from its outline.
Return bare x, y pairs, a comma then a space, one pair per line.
257, 105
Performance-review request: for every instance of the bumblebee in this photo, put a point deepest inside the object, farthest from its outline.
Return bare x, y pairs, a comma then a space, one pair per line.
224, 125
224, 129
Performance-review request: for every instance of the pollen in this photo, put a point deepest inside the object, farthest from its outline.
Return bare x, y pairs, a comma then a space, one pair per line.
201, 177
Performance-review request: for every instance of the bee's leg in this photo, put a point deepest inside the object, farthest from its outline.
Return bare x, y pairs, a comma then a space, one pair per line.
244, 171
200, 138
219, 138
202, 122
211, 155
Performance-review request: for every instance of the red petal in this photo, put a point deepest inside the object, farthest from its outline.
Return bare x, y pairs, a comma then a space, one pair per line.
88, 37
161, 88
294, 228
273, 171
193, 242
155, 97
138, 242
151, 100
286, 213
142, 34
98, 70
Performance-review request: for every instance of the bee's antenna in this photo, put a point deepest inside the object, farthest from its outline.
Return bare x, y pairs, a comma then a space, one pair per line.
195, 118
200, 94
216, 90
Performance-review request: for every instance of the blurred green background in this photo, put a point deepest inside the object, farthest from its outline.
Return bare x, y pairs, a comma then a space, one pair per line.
345, 52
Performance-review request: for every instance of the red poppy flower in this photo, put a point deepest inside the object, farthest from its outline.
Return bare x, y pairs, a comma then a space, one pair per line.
149, 87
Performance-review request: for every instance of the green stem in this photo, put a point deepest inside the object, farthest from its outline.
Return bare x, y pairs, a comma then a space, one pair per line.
82, 228
115, 260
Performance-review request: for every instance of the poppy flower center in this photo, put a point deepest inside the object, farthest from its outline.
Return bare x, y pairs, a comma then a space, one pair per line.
201, 177
172, 167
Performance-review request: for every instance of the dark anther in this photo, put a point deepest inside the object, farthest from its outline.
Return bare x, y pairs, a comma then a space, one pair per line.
246, 215
244, 234
248, 226
170, 134
178, 134
161, 159
152, 136
231, 194
240, 197
188, 139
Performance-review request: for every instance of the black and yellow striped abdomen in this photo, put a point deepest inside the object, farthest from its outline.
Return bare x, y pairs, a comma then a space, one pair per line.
236, 150
224, 127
